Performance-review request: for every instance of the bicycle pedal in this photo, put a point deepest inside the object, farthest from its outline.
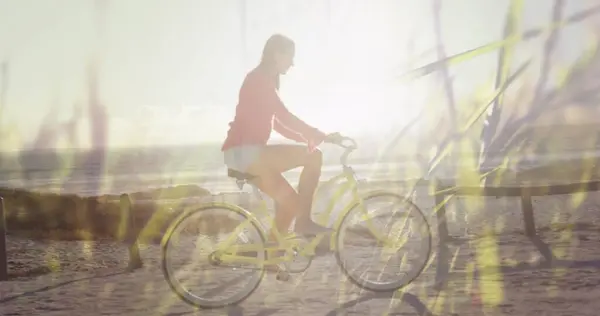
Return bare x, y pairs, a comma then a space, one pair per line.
283, 276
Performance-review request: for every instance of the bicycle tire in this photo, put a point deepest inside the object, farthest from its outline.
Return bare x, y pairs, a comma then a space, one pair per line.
198, 301
389, 286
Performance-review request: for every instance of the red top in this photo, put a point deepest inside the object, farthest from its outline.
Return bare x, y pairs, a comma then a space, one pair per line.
260, 110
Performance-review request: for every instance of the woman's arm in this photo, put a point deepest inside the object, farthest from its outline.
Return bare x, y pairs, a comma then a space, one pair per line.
263, 89
284, 119
286, 132
290, 121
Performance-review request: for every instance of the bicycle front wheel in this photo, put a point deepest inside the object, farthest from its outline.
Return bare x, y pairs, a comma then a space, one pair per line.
191, 251
388, 233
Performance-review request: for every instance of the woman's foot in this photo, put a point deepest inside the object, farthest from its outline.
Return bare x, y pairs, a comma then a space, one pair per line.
273, 268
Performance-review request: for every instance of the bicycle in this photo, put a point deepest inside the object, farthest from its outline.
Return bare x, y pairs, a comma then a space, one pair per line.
253, 257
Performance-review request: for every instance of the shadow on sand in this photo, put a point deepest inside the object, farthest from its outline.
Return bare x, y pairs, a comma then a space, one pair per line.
407, 298
549, 261
419, 307
57, 285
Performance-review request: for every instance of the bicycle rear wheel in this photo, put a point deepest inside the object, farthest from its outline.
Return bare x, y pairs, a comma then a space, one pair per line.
384, 236
190, 255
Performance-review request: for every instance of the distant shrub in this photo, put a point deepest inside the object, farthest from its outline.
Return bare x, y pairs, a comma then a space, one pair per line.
72, 217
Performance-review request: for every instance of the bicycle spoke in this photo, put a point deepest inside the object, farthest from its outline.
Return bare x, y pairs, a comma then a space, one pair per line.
383, 236
212, 272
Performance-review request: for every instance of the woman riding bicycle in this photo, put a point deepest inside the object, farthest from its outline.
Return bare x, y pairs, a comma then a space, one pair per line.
258, 112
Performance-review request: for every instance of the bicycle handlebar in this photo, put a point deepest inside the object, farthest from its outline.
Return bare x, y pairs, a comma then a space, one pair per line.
349, 148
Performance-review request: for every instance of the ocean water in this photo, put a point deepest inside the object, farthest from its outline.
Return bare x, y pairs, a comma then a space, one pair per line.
118, 171
213, 179
115, 171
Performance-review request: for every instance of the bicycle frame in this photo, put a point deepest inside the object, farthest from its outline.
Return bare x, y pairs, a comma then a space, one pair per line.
350, 183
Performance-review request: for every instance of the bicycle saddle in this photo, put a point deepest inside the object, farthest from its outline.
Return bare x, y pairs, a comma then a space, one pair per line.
238, 175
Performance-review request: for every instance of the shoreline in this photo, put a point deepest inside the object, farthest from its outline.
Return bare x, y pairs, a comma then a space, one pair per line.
214, 179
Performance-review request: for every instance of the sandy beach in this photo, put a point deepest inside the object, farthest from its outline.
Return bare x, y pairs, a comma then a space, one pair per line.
513, 276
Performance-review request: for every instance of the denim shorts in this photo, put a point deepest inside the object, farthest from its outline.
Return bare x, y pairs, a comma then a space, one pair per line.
240, 158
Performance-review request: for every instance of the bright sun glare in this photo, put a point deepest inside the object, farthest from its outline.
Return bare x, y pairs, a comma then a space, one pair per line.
344, 79
157, 66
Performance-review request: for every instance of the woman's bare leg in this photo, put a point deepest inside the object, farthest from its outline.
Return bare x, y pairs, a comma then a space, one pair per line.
307, 185
276, 159
285, 197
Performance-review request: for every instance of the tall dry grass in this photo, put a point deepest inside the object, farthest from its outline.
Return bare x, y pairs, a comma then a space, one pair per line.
508, 116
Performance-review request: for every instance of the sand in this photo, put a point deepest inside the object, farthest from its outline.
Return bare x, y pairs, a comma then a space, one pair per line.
514, 278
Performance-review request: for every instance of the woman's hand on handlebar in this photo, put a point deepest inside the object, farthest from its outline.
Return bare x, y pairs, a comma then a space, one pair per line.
334, 138
340, 140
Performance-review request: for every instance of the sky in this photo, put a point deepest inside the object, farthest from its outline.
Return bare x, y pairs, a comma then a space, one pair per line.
169, 72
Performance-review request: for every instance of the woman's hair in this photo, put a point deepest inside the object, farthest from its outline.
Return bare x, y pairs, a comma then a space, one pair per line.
276, 44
